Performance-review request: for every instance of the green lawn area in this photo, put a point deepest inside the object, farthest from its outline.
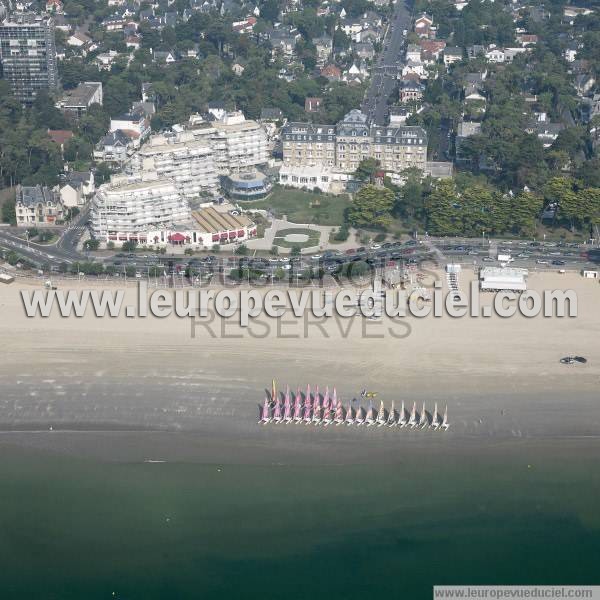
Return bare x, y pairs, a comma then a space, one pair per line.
313, 238
303, 207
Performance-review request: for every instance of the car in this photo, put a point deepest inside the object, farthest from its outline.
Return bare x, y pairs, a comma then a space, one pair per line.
487, 259
559, 263
541, 262
375, 246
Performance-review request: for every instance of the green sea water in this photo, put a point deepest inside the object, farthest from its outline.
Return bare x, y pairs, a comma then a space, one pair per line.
85, 529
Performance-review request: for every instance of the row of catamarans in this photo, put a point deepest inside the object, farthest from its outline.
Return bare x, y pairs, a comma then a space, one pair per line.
314, 409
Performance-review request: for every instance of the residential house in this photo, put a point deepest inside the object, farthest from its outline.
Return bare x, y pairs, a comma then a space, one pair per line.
584, 83
495, 55
163, 57
37, 205
414, 68
271, 114
413, 52
105, 60
432, 47
79, 40
114, 22
283, 43
364, 50
76, 187
238, 69
331, 72
324, 48
312, 104
133, 42
76, 102
135, 124
114, 147
452, 54
423, 26
465, 130
410, 91
475, 51
60, 137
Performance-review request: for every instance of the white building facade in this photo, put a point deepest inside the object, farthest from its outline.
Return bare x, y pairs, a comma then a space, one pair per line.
124, 210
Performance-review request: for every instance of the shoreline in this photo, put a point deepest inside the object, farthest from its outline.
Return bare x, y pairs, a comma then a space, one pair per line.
500, 378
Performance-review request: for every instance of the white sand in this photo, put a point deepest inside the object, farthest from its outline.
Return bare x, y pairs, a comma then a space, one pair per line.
501, 378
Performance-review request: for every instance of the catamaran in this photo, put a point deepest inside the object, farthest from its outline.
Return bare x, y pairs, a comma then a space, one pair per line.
435, 420
273, 391
326, 400
423, 421
265, 413
287, 407
277, 415
445, 423
370, 415
298, 407
349, 414
317, 416
328, 407
391, 420
412, 422
339, 410
360, 416
307, 406
381, 420
402, 417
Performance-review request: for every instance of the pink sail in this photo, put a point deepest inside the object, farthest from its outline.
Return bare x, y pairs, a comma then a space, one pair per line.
307, 405
339, 411
277, 411
326, 400
265, 415
287, 407
298, 406
317, 403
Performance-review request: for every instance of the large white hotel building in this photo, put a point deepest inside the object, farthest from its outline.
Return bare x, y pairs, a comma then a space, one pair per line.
169, 170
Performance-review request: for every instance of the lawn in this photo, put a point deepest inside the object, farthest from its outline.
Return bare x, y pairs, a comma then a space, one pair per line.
303, 207
313, 238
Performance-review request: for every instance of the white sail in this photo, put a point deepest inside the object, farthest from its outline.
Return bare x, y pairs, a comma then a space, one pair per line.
413, 416
381, 420
360, 416
391, 420
349, 415
402, 416
423, 422
370, 416
445, 423
435, 421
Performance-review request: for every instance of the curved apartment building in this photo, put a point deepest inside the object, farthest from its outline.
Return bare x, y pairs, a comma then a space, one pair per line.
123, 210
182, 157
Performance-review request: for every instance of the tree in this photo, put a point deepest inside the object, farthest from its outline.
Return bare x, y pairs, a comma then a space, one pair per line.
366, 169
91, 244
9, 214
129, 246
371, 207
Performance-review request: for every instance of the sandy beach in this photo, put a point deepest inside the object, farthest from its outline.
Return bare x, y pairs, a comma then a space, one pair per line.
501, 379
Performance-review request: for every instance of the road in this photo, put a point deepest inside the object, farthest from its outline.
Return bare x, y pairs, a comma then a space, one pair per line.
64, 250
383, 79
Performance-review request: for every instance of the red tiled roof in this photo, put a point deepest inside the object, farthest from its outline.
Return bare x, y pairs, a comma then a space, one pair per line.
60, 136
